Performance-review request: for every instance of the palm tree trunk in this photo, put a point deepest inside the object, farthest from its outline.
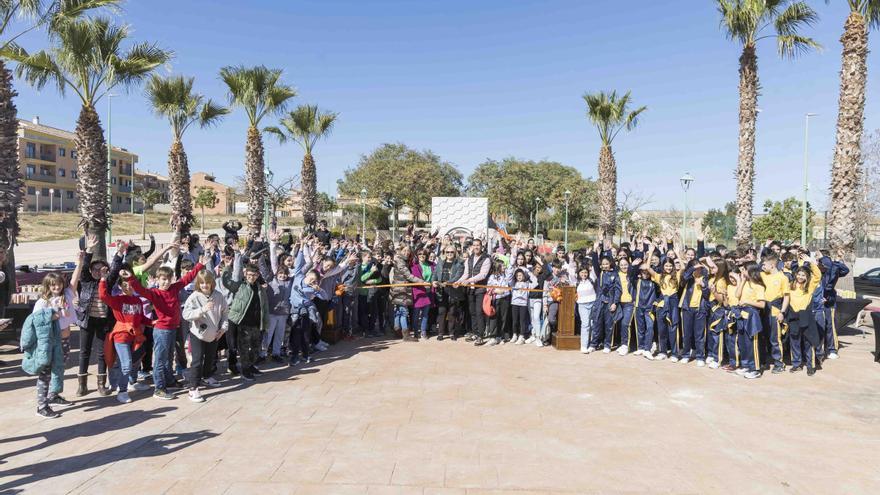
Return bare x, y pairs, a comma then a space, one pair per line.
745, 169
181, 201
255, 181
309, 191
11, 183
850, 126
607, 191
91, 162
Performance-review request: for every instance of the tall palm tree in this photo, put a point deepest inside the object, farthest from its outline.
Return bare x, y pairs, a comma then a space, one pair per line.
36, 14
610, 114
747, 22
260, 92
174, 99
863, 15
306, 125
86, 56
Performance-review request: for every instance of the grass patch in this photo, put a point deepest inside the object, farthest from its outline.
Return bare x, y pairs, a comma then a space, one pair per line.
59, 226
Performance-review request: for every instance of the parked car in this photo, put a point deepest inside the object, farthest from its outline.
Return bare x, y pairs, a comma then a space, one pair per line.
868, 283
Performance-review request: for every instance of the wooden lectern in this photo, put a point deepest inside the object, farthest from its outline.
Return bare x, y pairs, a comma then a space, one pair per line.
565, 339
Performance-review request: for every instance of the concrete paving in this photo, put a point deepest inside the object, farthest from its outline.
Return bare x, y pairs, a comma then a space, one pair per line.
382, 416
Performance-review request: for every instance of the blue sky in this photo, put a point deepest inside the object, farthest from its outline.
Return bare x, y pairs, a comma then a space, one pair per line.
481, 79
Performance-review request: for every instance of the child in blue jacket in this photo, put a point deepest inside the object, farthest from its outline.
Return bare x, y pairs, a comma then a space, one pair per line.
43, 356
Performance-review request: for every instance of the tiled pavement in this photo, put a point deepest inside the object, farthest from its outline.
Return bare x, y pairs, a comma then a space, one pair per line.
433, 417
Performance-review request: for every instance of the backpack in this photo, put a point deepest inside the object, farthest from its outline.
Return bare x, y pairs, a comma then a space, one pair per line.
488, 304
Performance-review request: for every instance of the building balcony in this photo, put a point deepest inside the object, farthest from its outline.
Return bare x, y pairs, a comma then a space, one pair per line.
51, 179
47, 157
125, 189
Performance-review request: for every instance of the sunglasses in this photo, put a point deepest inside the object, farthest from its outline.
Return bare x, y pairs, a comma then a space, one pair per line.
449, 252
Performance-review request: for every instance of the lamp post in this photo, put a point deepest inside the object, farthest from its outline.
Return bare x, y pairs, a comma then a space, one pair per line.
567, 195
131, 188
806, 177
363, 215
38, 200
537, 200
686, 180
110, 97
266, 201
61, 200
51, 200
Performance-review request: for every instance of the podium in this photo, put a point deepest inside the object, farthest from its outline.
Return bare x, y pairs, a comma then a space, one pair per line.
565, 339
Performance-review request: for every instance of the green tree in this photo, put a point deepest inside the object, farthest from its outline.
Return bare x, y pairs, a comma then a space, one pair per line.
864, 15
206, 197
149, 197
86, 56
746, 22
259, 92
397, 175
173, 98
782, 221
721, 224
325, 203
511, 185
306, 125
610, 114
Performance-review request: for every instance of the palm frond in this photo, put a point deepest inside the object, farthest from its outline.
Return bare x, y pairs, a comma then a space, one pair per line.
257, 90
211, 113
63, 11
277, 133
136, 64
796, 16
790, 46
38, 69
610, 114
306, 125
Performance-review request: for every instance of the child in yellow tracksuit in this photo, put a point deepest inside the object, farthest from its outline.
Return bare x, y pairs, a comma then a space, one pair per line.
773, 317
803, 330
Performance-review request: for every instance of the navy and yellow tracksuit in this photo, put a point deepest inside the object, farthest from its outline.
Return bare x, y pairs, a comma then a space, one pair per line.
645, 298
626, 312
667, 313
607, 294
804, 347
694, 310
824, 304
777, 289
718, 323
749, 326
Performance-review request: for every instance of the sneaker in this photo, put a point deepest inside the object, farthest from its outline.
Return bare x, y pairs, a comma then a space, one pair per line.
233, 371
247, 376
48, 413
478, 341
591, 349
277, 359
751, 375
255, 371
260, 360
59, 401
211, 382
710, 359
176, 384
162, 394
539, 343
294, 362
323, 344
811, 371
623, 350
729, 368
521, 340
684, 360
585, 350
649, 356
795, 369
833, 355
741, 371
143, 375
700, 363
638, 352
123, 397
606, 350
714, 365
659, 357
778, 368
139, 386
195, 396
530, 339
492, 342
653, 347
674, 359
309, 360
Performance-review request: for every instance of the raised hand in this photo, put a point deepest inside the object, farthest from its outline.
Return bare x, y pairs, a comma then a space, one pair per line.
91, 242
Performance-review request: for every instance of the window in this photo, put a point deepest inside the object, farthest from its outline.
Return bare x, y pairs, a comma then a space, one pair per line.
45, 191
73, 174
113, 180
73, 154
31, 150
61, 151
31, 171
61, 171
113, 163
118, 199
128, 201
31, 190
57, 193
69, 194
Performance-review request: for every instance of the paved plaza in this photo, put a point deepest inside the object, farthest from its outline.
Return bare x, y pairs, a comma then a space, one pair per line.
377, 416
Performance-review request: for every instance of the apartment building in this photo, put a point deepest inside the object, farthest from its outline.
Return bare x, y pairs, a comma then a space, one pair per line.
225, 194
48, 164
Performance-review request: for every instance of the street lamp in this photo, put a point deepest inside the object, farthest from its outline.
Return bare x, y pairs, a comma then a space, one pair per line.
51, 200
38, 200
364, 215
567, 195
806, 177
686, 180
537, 200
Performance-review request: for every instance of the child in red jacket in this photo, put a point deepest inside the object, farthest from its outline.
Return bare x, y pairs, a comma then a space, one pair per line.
166, 304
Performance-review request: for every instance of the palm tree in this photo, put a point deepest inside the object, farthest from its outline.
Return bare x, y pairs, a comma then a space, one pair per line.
86, 56
260, 92
306, 125
863, 15
747, 22
610, 114
174, 99
36, 14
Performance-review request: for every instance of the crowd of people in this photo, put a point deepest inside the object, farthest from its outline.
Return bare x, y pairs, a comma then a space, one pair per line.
163, 319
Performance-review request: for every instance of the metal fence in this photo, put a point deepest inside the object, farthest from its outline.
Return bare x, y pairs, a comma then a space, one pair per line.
864, 249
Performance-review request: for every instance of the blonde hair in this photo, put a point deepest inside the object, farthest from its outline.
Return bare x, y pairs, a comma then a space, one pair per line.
205, 276
48, 281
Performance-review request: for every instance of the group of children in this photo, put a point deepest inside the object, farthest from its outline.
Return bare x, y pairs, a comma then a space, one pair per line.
188, 303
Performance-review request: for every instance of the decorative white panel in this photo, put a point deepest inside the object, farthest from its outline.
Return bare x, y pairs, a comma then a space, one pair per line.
450, 214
